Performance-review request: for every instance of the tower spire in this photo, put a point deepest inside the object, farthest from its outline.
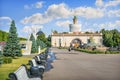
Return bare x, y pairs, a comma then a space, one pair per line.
75, 20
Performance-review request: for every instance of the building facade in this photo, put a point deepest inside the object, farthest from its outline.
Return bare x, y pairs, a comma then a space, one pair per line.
26, 47
65, 40
74, 36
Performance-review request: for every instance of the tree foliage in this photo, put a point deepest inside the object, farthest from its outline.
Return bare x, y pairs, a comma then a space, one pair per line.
3, 35
55, 32
1, 59
22, 39
111, 37
41, 44
34, 48
46, 41
42, 37
12, 47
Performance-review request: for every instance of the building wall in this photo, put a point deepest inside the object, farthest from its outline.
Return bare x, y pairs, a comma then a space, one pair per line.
75, 27
66, 40
26, 47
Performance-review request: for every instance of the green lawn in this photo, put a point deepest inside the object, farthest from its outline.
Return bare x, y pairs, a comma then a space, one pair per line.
5, 69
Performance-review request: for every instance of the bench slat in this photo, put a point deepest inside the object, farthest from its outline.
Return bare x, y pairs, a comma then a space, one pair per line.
21, 74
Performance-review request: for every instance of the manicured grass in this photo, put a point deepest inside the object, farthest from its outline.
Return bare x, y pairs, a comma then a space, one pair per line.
5, 69
43, 50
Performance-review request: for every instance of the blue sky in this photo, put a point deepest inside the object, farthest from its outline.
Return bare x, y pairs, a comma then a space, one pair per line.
47, 15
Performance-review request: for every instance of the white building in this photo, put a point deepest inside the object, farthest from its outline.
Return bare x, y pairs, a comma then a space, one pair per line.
74, 37
26, 47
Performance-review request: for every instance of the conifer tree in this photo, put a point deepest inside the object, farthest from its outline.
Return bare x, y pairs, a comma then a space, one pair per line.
34, 44
12, 47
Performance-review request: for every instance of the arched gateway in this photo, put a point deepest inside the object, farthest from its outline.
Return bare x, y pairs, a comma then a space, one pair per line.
76, 43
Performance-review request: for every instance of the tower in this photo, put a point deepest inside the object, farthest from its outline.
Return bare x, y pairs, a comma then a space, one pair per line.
75, 20
75, 27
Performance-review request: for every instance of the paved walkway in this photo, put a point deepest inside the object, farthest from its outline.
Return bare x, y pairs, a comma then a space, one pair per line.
82, 66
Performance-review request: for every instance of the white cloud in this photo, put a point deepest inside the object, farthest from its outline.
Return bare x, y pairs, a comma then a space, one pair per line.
35, 5
5, 18
103, 25
99, 3
114, 13
37, 18
58, 11
115, 24
109, 3
31, 29
39, 4
89, 30
112, 3
26, 29
110, 25
88, 12
62, 11
5, 21
53, 12
27, 7
63, 23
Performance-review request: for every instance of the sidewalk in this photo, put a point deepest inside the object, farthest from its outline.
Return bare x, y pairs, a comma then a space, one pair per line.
83, 66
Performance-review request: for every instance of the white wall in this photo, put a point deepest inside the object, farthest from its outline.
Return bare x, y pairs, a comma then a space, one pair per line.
66, 40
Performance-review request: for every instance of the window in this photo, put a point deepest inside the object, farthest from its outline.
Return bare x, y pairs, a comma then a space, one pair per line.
23, 46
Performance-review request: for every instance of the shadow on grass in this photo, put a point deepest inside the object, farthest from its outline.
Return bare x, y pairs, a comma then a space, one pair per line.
7, 79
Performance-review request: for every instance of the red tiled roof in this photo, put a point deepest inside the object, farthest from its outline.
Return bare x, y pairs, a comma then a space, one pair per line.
2, 43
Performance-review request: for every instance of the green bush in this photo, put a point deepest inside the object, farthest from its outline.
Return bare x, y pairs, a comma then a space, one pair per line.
1, 59
112, 52
62, 47
90, 51
107, 52
7, 60
97, 51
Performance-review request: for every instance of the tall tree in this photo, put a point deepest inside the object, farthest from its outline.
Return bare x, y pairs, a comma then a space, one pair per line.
12, 47
42, 38
111, 37
34, 44
49, 41
41, 44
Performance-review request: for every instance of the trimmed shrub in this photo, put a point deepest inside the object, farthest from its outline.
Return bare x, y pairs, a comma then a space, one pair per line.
62, 47
90, 51
112, 52
107, 52
7, 60
1, 59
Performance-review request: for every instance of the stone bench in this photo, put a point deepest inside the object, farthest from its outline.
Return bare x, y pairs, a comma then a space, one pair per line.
39, 60
35, 66
22, 74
